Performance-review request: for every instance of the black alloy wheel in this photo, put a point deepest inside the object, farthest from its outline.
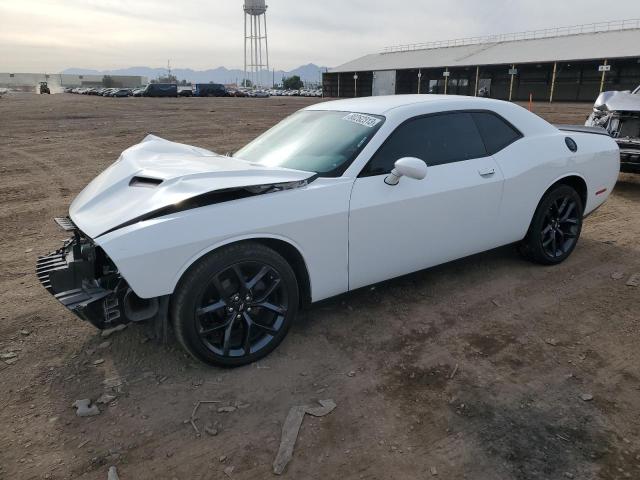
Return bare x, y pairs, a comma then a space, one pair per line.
561, 227
241, 309
555, 228
236, 305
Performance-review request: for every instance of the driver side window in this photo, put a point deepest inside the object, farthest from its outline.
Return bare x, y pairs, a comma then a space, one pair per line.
436, 139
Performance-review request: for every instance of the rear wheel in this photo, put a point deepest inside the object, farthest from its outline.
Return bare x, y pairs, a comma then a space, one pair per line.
555, 228
236, 305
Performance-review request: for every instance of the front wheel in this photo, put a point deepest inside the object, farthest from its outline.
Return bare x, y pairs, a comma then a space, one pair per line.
555, 228
235, 305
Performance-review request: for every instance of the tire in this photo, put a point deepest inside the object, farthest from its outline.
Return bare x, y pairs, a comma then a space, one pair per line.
556, 226
235, 305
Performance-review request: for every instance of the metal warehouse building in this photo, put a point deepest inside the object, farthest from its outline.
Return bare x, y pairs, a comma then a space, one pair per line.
563, 64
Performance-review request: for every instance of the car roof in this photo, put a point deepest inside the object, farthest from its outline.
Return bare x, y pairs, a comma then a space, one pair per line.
404, 106
383, 104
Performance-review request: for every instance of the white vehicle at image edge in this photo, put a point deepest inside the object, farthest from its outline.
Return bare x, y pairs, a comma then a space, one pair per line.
340, 195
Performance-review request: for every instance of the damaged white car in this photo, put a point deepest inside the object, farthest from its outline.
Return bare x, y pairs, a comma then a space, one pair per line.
336, 197
619, 114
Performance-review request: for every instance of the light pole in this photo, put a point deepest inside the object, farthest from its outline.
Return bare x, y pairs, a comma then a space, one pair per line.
446, 74
512, 72
419, 78
355, 84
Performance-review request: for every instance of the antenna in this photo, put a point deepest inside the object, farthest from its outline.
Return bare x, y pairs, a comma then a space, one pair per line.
169, 70
255, 13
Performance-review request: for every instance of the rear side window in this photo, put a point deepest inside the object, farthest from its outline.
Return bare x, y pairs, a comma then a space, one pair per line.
436, 139
496, 132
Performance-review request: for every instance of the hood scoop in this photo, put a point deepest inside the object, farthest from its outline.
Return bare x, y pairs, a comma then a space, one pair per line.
145, 182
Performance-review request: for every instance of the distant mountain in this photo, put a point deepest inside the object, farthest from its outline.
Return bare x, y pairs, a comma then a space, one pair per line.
308, 73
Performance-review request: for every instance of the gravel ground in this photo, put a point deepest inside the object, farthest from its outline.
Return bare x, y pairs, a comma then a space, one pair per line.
488, 368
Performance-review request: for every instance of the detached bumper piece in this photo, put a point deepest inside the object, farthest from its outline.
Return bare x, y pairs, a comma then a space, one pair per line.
81, 277
71, 280
66, 224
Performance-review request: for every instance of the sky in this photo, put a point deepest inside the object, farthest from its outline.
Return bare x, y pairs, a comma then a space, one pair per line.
51, 35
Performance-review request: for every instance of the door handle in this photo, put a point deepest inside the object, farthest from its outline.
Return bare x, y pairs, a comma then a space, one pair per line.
487, 172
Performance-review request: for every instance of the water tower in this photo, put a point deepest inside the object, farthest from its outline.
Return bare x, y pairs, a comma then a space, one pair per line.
256, 56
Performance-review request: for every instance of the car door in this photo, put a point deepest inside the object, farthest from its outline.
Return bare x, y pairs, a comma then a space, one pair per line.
518, 162
452, 213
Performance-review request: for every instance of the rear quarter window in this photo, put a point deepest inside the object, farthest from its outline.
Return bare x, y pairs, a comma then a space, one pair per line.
496, 132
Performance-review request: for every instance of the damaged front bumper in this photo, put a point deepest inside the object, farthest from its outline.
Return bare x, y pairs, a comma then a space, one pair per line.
83, 278
624, 127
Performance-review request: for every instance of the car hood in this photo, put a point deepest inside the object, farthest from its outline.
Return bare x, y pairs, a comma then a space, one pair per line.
619, 101
156, 174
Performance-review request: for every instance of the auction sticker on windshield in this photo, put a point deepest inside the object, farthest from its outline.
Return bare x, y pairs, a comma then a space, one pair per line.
361, 119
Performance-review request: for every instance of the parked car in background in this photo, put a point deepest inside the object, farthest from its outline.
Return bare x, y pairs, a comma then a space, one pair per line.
160, 90
619, 114
121, 93
185, 91
210, 90
338, 196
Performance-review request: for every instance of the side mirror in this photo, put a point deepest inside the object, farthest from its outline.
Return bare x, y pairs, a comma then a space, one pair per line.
407, 167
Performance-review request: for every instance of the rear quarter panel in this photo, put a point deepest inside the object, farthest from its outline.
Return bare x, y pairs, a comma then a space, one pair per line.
533, 164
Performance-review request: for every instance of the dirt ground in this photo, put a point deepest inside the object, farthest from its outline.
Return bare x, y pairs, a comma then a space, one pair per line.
472, 370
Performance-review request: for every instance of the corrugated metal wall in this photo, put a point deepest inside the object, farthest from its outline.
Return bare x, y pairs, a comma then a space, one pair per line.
343, 85
575, 81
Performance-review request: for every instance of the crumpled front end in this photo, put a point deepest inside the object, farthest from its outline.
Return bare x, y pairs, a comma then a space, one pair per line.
157, 176
619, 114
83, 278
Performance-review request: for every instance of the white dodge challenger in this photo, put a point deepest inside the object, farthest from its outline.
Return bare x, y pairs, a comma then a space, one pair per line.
339, 195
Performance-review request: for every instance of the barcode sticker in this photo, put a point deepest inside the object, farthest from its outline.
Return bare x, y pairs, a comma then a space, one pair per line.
361, 119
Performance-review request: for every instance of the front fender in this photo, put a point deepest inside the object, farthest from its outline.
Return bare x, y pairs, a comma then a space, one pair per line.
153, 255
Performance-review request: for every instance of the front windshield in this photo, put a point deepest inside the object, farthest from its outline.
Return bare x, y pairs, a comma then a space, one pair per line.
324, 142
